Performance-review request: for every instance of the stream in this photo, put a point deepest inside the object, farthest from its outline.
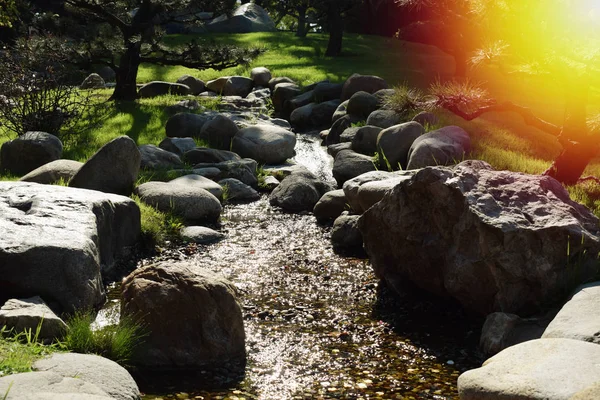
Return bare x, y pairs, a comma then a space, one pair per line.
319, 325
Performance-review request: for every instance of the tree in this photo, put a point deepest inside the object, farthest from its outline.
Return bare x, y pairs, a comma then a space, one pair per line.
556, 39
125, 33
297, 9
8, 12
334, 12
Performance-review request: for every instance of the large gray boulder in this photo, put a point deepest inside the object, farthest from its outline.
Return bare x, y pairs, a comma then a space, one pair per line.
365, 83
49, 386
280, 79
190, 202
362, 104
238, 191
199, 181
349, 164
384, 118
325, 91
158, 88
207, 155
299, 101
193, 316
331, 205
543, 369
101, 372
579, 318
219, 132
352, 186
394, 144
264, 143
300, 117
299, 191
53, 172
24, 315
493, 240
217, 85
29, 151
322, 113
153, 157
238, 86
113, 169
345, 235
247, 18
57, 240
365, 140
282, 93
260, 76
444, 146
177, 145
185, 124
196, 85
502, 330
93, 81
339, 126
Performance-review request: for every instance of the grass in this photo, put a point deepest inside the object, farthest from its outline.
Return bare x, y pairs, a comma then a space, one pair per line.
157, 226
19, 350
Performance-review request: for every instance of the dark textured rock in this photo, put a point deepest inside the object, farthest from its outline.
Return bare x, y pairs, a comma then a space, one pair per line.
349, 164
186, 124
384, 118
264, 143
340, 111
158, 88
113, 169
334, 149
352, 186
276, 81
502, 330
219, 132
243, 170
238, 191
178, 145
331, 205
299, 191
196, 85
193, 316
56, 241
426, 118
444, 146
365, 140
207, 155
323, 112
29, 151
283, 92
24, 315
394, 144
93, 81
362, 104
345, 235
326, 91
493, 240
365, 83
260, 76
339, 127
153, 157
238, 86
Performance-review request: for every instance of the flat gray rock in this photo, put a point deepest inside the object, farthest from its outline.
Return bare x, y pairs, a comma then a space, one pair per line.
543, 369
200, 234
579, 318
199, 181
27, 314
109, 376
48, 386
265, 143
56, 241
238, 191
53, 172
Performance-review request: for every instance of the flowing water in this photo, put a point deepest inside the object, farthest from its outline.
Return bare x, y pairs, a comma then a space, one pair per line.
318, 325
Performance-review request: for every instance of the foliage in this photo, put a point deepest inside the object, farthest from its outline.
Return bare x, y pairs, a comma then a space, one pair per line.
19, 350
157, 226
405, 100
38, 95
115, 342
8, 12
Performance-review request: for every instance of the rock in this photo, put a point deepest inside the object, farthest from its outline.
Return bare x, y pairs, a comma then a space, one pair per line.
24, 315
590, 393
349, 164
276, 81
365, 83
56, 241
208, 172
362, 104
106, 73
304, 99
243, 170
301, 116
345, 236
29, 151
299, 191
323, 112
426, 119
384, 118
196, 85
444, 146
331, 205
186, 124
184, 106
192, 203
339, 127
259, 94
219, 132
394, 144
48, 386
260, 76
384, 95
334, 149
201, 235
365, 140
238, 86
502, 330
340, 112
200, 155
544, 369
352, 186
199, 181
158, 88
113, 169
109, 376
579, 318
493, 240
282, 93
154, 157
265, 144
178, 146
93, 81
325, 91
217, 85
246, 18
372, 192
238, 191
269, 183
53, 172
193, 315
348, 135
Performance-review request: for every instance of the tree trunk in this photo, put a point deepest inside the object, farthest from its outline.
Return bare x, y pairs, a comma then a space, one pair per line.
126, 74
336, 30
570, 164
302, 28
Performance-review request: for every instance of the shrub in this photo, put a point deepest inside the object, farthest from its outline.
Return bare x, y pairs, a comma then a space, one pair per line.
37, 91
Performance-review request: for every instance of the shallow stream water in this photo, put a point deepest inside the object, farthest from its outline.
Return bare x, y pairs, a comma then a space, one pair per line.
318, 325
